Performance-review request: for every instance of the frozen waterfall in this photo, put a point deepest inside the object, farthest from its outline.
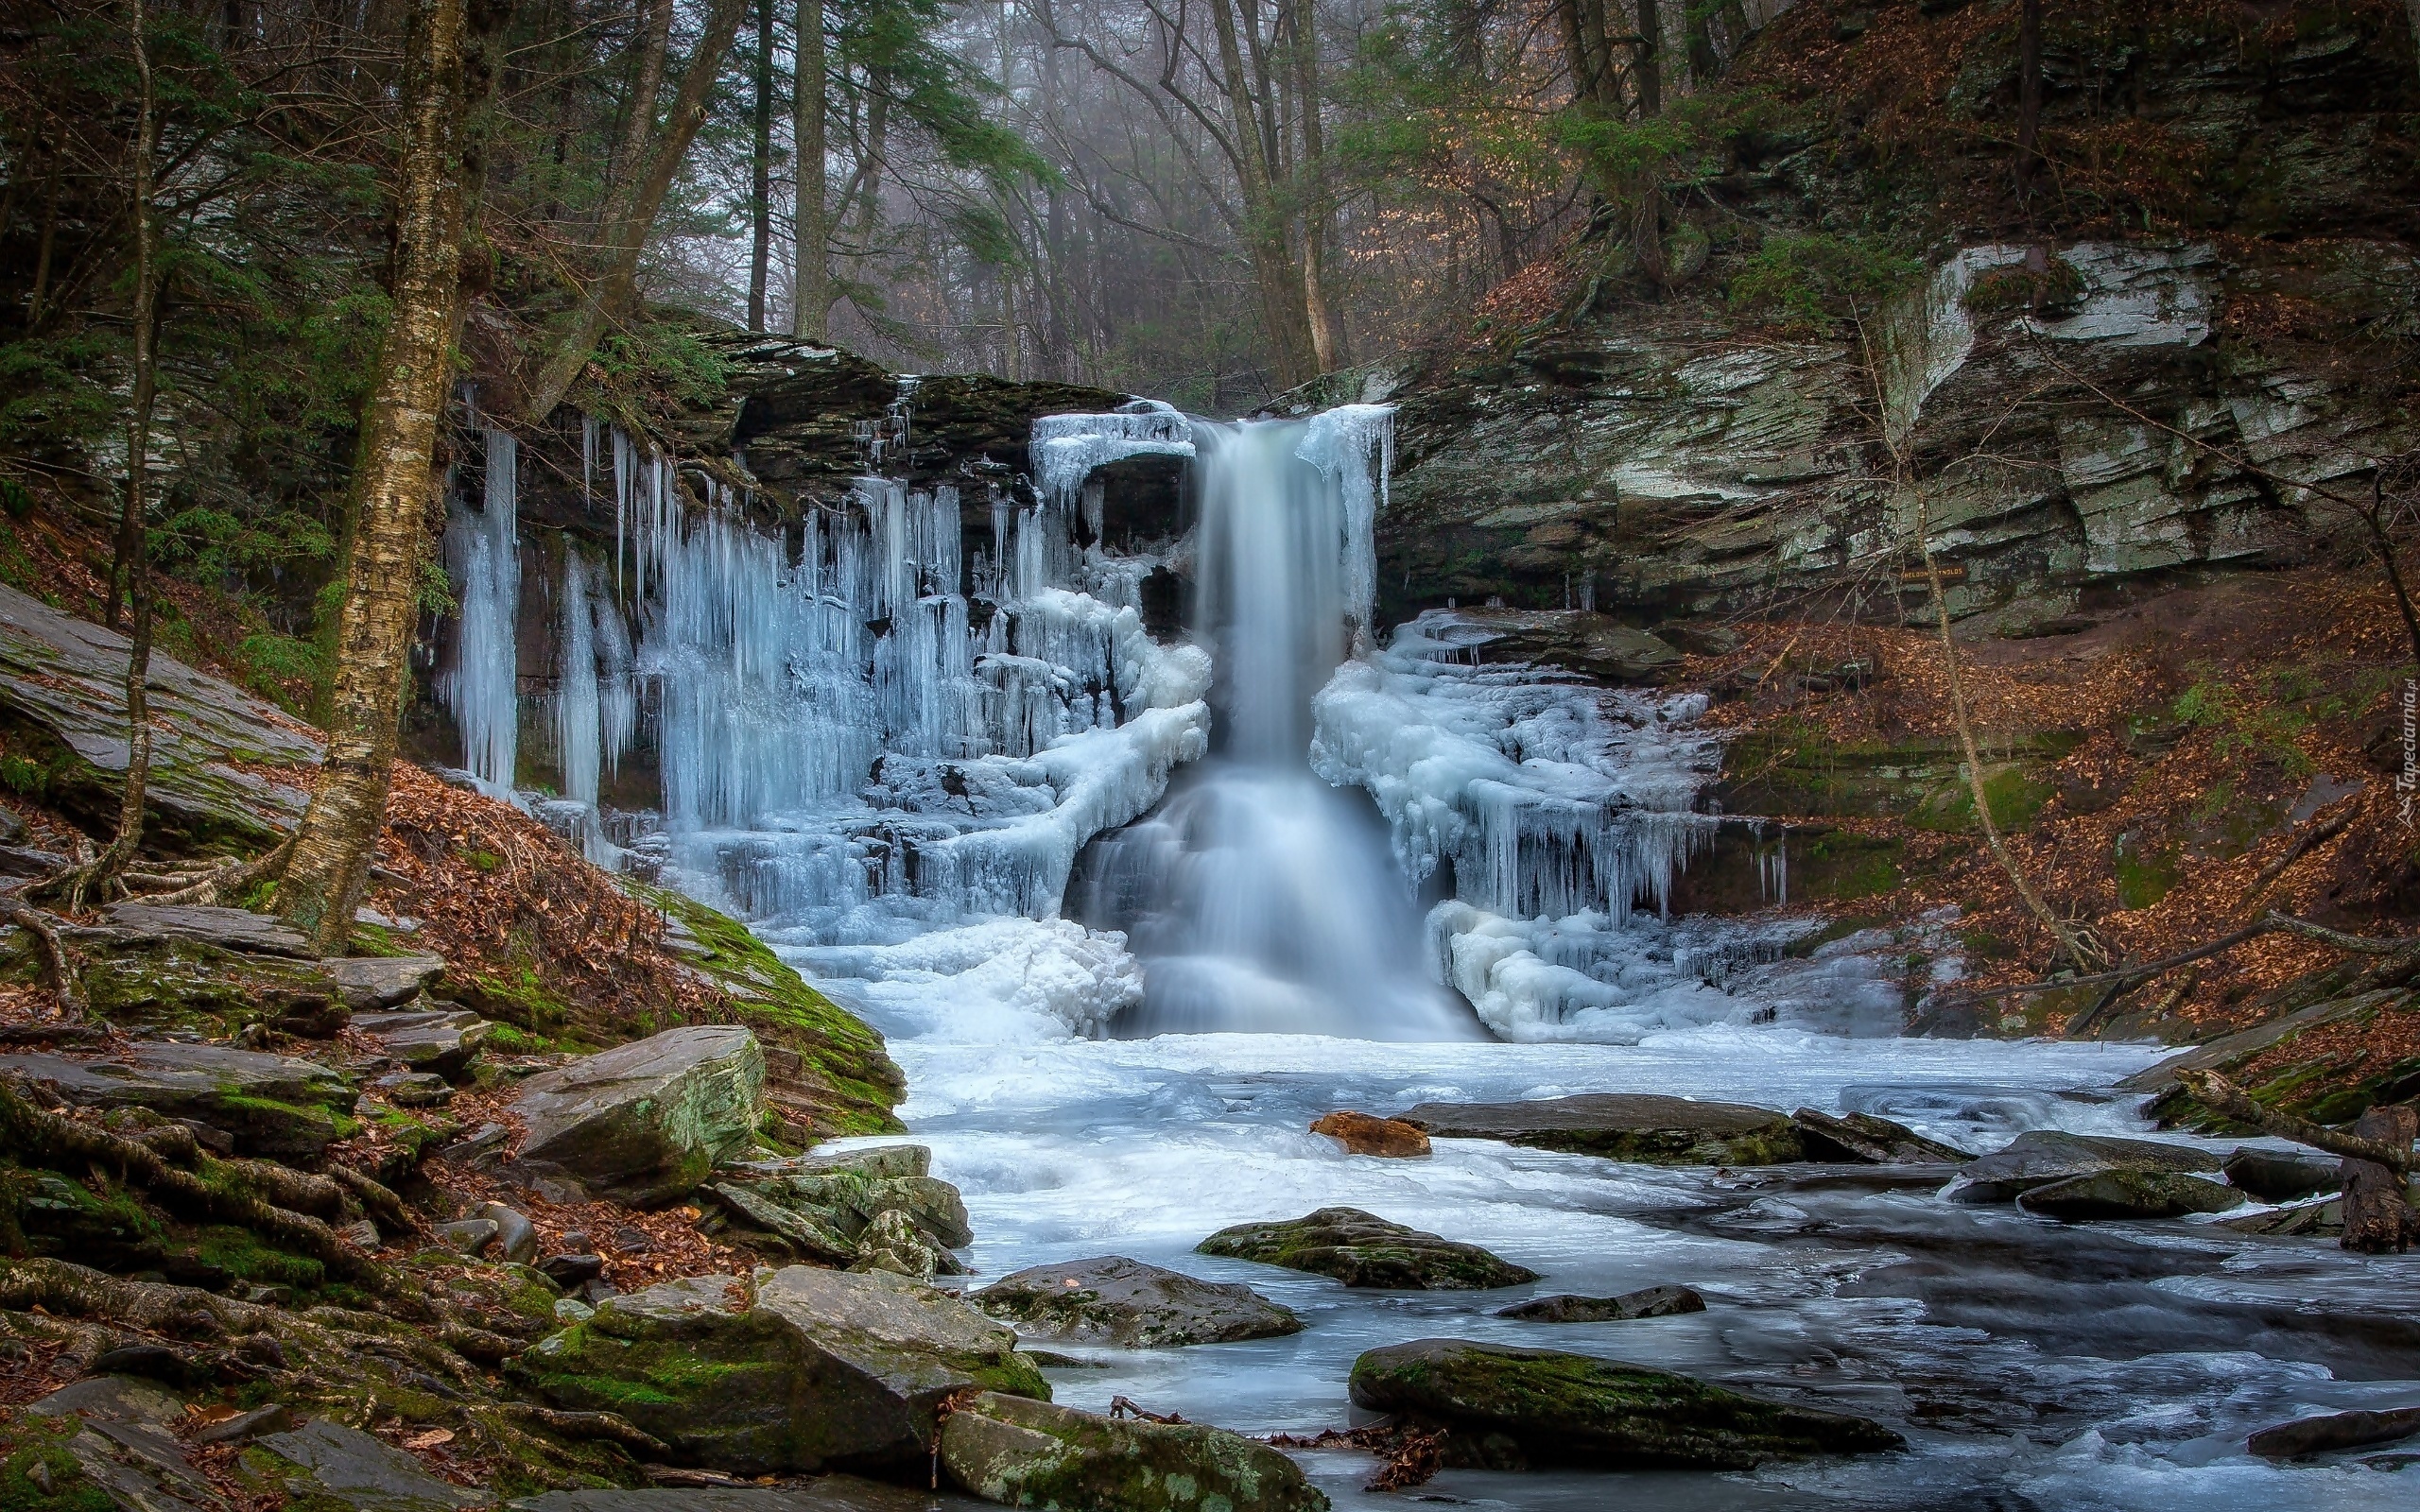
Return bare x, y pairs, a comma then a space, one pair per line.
483, 554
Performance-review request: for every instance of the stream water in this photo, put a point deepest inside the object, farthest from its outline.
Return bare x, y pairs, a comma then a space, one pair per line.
1132, 915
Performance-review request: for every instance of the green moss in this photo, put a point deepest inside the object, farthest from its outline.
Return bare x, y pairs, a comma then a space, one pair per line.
2142, 879
2015, 797
28, 1442
239, 1252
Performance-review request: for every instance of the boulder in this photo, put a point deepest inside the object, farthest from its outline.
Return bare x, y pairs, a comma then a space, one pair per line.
822, 1206
517, 1237
827, 1493
893, 1242
1361, 1250
414, 1089
1863, 1138
1026, 1453
2322, 1219
1646, 1128
811, 1368
442, 1041
233, 929
324, 1462
275, 1105
1653, 1301
125, 1445
646, 1122
1582, 641
2342, 1430
1132, 1305
374, 982
2044, 1155
1511, 1409
2127, 1191
1361, 1134
2282, 1175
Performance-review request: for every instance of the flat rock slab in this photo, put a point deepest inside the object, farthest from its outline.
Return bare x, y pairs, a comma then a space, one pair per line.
444, 1041
1361, 1134
1365, 1250
322, 1461
269, 1105
370, 983
2281, 1175
1635, 1127
65, 679
1581, 641
1130, 1305
234, 929
1026, 1454
1515, 1409
830, 1493
1863, 1138
812, 1370
646, 1122
2044, 1155
125, 1445
2127, 1191
1653, 1301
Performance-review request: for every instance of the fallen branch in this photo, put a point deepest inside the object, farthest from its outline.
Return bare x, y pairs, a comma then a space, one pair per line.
2222, 1096
2268, 923
2312, 836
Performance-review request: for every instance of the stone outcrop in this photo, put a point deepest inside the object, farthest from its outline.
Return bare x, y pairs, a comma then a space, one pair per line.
443, 1038
326, 1462
62, 704
1361, 1134
1865, 1140
1361, 1250
1130, 1304
828, 1207
2127, 1191
1652, 1301
646, 1122
1624, 1126
1515, 1409
123, 1442
2044, 1155
1025, 1453
809, 1369
278, 1106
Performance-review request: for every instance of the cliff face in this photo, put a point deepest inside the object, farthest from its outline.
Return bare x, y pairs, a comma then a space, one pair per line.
2079, 414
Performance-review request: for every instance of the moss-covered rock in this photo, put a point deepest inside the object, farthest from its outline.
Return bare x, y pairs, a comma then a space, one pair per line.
1643, 1127
1028, 1453
1361, 1250
1125, 1302
1513, 1409
275, 1105
2129, 1191
826, 1070
646, 1122
2042, 1157
325, 1467
812, 1368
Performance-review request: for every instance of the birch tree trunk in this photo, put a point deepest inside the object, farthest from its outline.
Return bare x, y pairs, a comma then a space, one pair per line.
613, 290
396, 482
811, 301
1327, 341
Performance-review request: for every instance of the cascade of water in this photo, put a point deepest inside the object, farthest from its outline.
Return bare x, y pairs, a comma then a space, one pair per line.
483, 554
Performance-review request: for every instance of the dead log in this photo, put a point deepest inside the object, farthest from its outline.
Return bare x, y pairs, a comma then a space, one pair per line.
2377, 1213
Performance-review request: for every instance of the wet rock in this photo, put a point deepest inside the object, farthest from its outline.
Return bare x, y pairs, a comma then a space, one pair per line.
370, 983
1361, 1134
806, 1233
2343, 1429
893, 1242
1361, 1250
324, 1462
2127, 1191
1863, 1137
274, 1105
2044, 1155
813, 1367
470, 1235
517, 1237
571, 1270
124, 1444
2282, 1175
153, 1361
414, 1089
1130, 1304
246, 1426
442, 1041
1026, 1454
645, 1122
1653, 1301
1651, 1129
1511, 1408
829, 1493
2308, 1220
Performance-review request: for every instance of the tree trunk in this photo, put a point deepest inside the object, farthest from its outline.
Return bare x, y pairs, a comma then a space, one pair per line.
760, 183
126, 560
655, 42
2029, 93
397, 481
611, 293
2378, 1216
1274, 268
811, 300
1649, 70
1327, 343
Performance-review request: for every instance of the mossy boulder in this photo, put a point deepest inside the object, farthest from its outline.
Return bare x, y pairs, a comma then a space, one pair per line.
274, 1105
1362, 1250
1026, 1454
2042, 1157
809, 1370
1132, 1305
324, 1465
1650, 1129
2129, 1191
646, 1122
1514, 1409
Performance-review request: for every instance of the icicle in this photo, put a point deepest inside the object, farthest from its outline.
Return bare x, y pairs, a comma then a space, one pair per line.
578, 739
482, 552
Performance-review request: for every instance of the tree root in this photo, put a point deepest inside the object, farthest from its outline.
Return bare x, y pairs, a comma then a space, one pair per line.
319, 1196
612, 1427
48, 1137
376, 1200
472, 1342
64, 983
155, 1307
230, 881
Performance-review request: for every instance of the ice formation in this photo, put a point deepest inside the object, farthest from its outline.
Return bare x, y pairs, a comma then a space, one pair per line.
1068, 449
483, 554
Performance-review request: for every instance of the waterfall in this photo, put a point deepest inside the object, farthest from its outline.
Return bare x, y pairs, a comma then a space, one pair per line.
483, 554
